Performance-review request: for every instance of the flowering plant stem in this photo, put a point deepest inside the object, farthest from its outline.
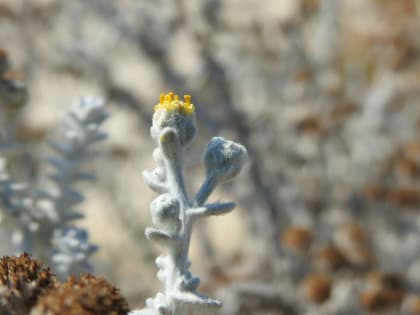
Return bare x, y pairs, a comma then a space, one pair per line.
173, 213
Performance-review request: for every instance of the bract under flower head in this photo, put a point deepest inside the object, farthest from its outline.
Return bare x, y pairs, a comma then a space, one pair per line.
174, 113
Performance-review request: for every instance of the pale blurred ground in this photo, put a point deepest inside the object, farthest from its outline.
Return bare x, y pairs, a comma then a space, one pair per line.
324, 93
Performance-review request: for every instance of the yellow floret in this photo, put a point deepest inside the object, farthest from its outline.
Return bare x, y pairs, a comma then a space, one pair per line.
172, 103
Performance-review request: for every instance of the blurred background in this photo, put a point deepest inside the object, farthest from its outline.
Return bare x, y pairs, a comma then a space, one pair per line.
323, 93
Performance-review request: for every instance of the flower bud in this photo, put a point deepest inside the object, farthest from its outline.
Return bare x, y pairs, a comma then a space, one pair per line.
224, 159
174, 113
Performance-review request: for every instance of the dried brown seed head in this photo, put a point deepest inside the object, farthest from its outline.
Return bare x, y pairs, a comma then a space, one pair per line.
372, 300
374, 193
297, 238
318, 288
310, 124
381, 299
87, 295
405, 197
387, 280
22, 281
331, 257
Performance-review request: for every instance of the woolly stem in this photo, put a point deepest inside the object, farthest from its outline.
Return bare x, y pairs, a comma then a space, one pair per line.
179, 263
205, 190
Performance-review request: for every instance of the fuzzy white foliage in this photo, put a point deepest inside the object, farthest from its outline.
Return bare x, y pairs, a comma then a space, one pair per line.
14, 217
70, 247
174, 213
44, 218
71, 251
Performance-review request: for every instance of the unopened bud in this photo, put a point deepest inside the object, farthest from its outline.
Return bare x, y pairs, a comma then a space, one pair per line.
224, 159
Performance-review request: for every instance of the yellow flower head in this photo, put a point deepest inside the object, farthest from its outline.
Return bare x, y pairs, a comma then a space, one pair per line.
172, 103
176, 114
